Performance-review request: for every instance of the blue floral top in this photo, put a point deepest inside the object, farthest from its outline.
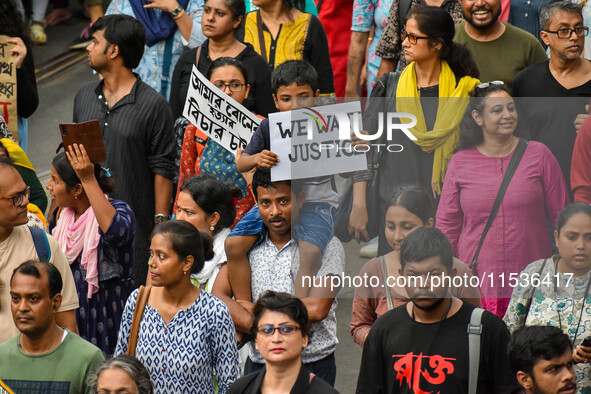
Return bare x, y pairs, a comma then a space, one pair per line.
555, 299
366, 15
183, 355
151, 66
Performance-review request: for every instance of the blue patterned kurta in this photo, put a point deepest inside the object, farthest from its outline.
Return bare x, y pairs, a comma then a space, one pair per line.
150, 67
183, 355
98, 317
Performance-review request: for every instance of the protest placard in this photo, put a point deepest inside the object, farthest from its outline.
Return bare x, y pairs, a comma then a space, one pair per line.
312, 142
8, 86
218, 115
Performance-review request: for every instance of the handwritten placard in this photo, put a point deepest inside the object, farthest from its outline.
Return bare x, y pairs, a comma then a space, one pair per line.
8, 86
312, 142
218, 115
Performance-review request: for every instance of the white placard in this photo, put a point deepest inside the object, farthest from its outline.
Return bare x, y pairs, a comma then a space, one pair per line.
311, 143
218, 115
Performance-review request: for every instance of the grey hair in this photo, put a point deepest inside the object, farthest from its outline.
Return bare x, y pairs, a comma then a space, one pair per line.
549, 10
134, 368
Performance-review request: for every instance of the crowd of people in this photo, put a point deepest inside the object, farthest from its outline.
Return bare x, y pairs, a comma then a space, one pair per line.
177, 265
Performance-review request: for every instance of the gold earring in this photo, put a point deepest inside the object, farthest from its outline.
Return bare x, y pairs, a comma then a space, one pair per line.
184, 272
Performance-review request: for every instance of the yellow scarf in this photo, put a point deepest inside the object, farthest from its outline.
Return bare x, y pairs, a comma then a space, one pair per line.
445, 136
18, 156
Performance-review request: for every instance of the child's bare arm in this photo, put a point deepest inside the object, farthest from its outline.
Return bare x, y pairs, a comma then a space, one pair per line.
265, 158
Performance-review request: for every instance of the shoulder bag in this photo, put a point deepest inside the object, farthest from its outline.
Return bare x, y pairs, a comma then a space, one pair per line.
511, 168
140, 304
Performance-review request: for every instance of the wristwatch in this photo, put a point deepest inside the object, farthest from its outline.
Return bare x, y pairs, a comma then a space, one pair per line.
160, 218
176, 11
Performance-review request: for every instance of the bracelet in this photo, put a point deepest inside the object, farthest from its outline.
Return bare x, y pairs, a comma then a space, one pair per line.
179, 15
160, 218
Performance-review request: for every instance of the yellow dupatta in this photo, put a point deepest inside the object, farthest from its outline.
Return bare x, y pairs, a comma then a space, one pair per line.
15, 152
445, 136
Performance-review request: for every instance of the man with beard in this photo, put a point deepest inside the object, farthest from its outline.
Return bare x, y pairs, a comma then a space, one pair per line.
136, 124
564, 82
500, 49
422, 346
542, 359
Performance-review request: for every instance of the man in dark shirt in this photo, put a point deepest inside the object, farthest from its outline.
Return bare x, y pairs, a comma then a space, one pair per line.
564, 82
422, 346
499, 49
136, 124
542, 359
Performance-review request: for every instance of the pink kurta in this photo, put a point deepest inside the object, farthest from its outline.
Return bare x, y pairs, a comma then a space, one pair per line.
519, 233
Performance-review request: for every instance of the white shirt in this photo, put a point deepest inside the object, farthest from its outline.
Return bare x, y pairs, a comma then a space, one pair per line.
274, 269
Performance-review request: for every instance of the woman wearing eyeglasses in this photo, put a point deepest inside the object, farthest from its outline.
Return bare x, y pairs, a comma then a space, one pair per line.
536, 194
280, 327
439, 68
202, 156
96, 234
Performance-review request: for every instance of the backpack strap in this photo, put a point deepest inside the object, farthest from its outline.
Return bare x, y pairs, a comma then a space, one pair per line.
262, 47
474, 333
41, 244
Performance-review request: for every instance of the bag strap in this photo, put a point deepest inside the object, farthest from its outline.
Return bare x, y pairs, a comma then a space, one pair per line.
197, 57
386, 287
533, 290
41, 244
403, 8
511, 168
474, 333
166, 63
261, 36
140, 304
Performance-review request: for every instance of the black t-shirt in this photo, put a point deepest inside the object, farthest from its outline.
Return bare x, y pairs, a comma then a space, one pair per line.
549, 111
401, 355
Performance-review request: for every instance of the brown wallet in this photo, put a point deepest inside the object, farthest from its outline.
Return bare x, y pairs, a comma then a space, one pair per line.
88, 134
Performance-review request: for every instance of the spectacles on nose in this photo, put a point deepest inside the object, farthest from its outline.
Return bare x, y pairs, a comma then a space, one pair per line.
567, 32
412, 38
268, 330
18, 198
234, 86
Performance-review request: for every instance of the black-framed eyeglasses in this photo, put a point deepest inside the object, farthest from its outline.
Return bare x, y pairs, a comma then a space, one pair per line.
412, 38
284, 329
234, 86
18, 198
567, 32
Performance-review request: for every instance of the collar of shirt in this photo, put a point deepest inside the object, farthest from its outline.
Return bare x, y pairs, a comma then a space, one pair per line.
128, 99
269, 244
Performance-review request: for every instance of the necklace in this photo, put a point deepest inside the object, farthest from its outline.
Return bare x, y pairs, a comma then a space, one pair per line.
582, 304
412, 315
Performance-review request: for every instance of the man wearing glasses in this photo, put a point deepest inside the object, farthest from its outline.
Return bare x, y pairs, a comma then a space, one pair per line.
564, 82
17, 246
500, 49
